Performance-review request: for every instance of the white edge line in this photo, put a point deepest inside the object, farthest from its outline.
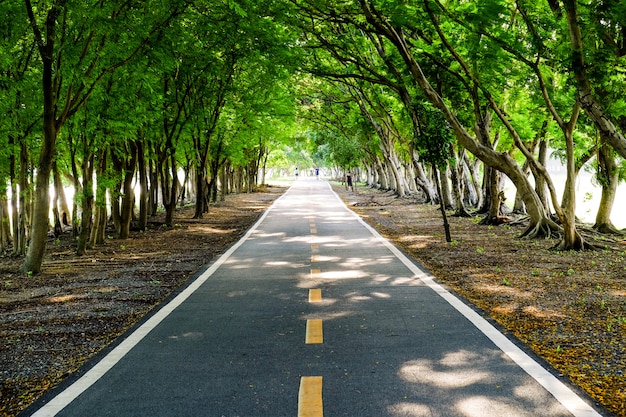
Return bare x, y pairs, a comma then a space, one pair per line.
568, 398
65, 397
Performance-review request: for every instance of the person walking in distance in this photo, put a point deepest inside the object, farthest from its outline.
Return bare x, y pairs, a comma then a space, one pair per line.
297, 172
349, 184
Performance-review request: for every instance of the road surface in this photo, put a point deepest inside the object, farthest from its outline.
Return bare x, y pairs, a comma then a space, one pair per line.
314, 314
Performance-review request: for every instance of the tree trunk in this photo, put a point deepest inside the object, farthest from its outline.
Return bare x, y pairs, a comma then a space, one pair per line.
446, 225
202, 190
457, 195
608, 176
59, 190
86, 223
14, 197
422, 181
98, 226
395, 175
496, 200
224, 181
25, 204
540, 183
382, 176
472, 189
40, 226
444, 184
5, 230
170, 205
128, 194
143, 185
153, 195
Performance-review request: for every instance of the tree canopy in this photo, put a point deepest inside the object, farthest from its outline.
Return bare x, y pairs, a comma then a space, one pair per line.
153, 105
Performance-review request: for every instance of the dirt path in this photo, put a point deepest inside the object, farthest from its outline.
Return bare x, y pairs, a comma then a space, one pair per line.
568, 307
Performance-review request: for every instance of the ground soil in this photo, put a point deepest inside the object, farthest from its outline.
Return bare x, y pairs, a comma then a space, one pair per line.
570, 308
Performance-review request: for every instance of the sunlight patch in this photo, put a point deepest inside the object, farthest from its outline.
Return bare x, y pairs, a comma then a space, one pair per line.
410, 410
480, 406
347, 274
423, 372
542, 313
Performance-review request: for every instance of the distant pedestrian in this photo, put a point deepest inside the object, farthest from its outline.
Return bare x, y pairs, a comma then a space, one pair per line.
297, 172
317, 173
349, 182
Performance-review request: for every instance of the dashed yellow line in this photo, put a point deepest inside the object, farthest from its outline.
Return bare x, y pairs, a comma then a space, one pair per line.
310, 397
314, 332
315, 295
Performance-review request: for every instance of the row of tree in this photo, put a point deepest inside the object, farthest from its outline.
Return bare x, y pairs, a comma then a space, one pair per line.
511, 78
113, 96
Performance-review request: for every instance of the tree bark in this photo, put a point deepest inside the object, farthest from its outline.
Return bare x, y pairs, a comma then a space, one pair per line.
444, 184
14, 196
128, 194
608, 177
39, 232
459, 205
5, 230
444, 216
86, 223
496, 199
143, 185
98, 226
422, 181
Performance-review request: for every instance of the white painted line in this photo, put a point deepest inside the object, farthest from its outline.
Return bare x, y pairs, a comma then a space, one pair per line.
568, 398
64, 398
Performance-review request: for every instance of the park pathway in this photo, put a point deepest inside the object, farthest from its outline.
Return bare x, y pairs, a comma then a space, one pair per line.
313, 314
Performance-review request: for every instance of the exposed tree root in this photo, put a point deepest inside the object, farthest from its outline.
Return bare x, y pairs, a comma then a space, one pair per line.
579, 246
461, 212
608, 229
544, 229
495, 220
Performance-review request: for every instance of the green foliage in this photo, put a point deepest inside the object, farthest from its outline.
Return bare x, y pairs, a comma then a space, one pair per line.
434, 141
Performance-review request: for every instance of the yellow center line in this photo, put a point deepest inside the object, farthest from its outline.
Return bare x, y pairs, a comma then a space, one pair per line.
313, 231
315, 273
315, 247
315, 258
310, 397
314, 332
315, 295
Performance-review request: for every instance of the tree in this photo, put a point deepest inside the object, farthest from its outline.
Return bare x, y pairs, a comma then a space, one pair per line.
69, 79
434, 143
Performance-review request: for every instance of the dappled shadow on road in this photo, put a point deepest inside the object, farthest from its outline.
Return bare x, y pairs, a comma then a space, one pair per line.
389, 340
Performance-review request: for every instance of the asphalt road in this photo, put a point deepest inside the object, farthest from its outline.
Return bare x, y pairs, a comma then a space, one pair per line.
310, 314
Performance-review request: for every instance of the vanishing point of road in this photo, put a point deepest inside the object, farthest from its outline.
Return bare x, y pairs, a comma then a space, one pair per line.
312, 313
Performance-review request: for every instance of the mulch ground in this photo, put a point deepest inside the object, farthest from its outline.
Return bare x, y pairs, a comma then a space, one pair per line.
570, 308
